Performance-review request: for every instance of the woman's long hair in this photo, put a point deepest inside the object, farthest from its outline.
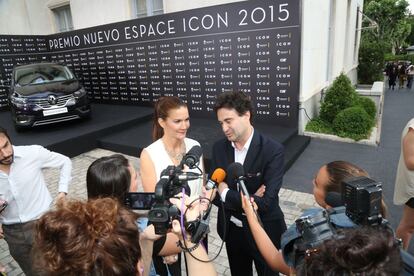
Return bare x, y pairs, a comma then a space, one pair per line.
161, 110
109, 176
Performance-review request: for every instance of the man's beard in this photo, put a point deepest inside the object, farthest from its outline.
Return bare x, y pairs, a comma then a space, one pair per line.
7, 160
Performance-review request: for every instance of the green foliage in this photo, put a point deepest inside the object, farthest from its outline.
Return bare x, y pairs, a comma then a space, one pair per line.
391, 57
410, 38
339, 96
371, 60
344, 113
392, 19
368, 105
319, 126
353, 122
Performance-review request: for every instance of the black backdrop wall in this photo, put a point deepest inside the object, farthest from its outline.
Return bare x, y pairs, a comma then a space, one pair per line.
250, 46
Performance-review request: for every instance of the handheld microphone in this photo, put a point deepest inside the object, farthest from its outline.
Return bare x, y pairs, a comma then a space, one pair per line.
236, 171
218, 176
334, 199
192, 157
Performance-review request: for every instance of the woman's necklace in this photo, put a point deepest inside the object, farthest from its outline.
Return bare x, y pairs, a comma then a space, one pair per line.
176, 156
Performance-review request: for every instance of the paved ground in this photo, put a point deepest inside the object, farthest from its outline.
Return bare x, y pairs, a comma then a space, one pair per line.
380, 162
292, 203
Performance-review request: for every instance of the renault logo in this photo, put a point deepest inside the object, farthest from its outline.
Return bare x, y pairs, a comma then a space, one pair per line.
52, 99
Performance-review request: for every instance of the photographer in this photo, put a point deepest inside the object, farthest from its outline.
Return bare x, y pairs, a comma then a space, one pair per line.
358, 251
328, 179
114, 176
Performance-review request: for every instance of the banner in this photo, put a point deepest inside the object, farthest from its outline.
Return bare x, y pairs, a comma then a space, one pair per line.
249, 46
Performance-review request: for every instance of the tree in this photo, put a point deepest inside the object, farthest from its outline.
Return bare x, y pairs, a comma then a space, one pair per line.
392, 18
371, 60
410, 39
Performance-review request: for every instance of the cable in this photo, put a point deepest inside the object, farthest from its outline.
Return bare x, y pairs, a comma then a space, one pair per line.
201, 217
306, 113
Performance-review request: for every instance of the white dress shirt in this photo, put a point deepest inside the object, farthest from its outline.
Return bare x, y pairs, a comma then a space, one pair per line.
24, 188
239, 156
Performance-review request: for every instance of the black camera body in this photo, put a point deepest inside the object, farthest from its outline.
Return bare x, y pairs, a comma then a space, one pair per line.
163, 212
173, 180
362, 199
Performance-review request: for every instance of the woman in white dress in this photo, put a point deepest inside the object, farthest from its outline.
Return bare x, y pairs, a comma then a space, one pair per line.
171, 122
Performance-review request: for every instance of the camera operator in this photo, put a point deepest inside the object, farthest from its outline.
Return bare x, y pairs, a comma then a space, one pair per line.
196, 255
357, 251
114, 176
328, 179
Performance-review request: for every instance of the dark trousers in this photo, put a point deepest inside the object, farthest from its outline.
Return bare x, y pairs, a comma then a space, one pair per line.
242, 251
19, 237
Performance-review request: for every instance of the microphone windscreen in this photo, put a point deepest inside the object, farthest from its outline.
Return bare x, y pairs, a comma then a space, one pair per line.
193, 156
334, 199
196, 151
218, 175
235, 170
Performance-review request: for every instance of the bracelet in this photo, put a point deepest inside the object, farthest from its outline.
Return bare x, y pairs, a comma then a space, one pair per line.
185, 249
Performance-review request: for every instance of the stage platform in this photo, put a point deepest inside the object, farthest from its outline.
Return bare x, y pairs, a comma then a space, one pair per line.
127, 129
75, 137
206, 131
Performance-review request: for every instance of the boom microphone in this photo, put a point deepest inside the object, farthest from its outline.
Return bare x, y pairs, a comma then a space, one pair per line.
218, 176
334, 199
192, 157
185, 176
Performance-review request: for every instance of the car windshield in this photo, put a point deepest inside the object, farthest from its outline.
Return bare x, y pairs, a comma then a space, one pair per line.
42, 73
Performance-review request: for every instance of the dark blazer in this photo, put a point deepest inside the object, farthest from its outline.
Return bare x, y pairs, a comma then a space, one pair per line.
263, 165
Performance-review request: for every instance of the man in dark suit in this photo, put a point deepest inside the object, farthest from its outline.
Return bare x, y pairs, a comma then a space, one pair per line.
262, 159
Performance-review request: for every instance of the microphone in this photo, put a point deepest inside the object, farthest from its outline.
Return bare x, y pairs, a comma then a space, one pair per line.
236, 171
185, 176
334, 199
192, 157
218, 176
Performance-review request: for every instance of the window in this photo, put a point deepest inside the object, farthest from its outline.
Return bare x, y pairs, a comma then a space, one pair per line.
145, 8
63, 18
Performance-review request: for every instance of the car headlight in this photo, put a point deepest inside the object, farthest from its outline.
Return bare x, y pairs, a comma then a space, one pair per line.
80, 93
17, 100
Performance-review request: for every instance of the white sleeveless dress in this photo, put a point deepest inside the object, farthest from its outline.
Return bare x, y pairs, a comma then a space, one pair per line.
162, 160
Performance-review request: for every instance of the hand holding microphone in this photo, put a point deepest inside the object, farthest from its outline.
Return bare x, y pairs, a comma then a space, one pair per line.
218, 176
236, 171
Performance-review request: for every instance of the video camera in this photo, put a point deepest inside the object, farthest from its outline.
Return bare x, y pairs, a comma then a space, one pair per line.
172, 181
361, 197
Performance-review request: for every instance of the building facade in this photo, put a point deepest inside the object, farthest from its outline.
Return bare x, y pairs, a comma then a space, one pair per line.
330, 32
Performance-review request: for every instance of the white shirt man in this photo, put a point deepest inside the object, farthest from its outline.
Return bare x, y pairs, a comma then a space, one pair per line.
23, 187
